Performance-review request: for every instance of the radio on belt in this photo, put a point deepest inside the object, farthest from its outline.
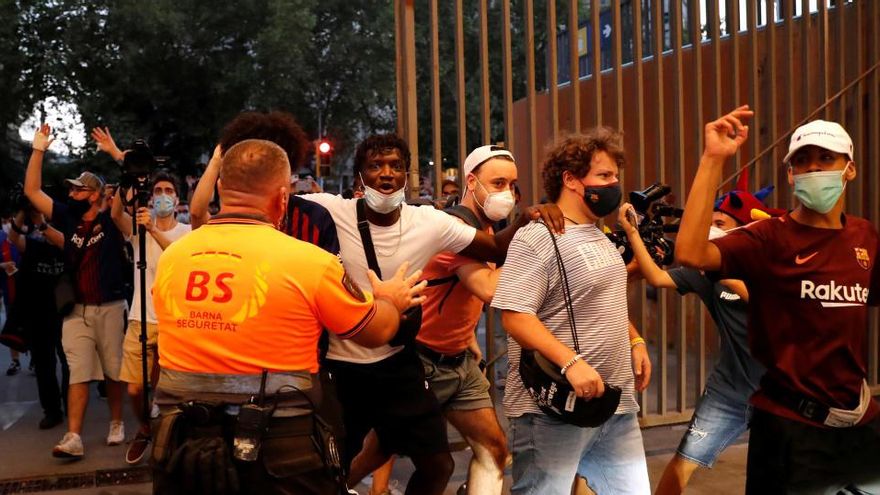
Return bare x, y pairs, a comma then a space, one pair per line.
252, 424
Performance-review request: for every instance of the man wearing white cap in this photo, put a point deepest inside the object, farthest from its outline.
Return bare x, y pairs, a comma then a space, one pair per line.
92, 333
446, 343
810, 274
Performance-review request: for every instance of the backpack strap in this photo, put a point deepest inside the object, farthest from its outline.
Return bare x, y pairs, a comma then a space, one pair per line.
465, 213
366, 238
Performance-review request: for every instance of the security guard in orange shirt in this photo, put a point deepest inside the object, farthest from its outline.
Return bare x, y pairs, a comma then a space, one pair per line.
240, 308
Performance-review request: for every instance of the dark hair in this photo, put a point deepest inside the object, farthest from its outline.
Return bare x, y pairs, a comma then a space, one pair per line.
574, 152
166, 176
278, 127
380, 143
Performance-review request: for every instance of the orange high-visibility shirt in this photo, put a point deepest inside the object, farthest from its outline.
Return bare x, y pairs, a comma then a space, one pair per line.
237, 296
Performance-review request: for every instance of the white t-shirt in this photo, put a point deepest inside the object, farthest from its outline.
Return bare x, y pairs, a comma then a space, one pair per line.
530, 284
421, 233
154, 250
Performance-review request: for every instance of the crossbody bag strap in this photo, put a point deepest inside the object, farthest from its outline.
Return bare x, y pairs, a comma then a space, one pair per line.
366, 238
566, 291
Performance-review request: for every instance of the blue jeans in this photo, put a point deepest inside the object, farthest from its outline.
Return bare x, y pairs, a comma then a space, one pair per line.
716, 423
547, 454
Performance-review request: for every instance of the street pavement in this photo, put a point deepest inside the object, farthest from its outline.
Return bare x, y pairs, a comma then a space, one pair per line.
25, 451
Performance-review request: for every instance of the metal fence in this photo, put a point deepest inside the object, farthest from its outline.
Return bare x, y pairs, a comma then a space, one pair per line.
658, 70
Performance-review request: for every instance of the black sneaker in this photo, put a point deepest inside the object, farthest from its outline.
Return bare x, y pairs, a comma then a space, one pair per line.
51, 421
14, 368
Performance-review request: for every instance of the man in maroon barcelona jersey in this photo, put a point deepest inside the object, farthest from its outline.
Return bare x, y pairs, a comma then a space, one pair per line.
810, 274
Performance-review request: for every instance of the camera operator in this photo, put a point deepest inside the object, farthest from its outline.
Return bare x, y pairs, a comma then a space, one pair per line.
42, 262
581, 176
723, 412
162, 227
92, 333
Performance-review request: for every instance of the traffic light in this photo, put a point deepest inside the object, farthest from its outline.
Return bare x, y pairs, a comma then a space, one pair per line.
323, 157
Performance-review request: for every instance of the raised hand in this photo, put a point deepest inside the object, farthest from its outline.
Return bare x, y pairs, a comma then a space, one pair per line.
724, 136
43, 138
106, 143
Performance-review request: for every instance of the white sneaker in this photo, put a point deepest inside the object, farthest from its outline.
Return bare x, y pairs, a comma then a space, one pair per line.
117, 433
70, 446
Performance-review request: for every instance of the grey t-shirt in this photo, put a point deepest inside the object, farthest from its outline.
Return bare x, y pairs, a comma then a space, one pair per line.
736, 375
530, 284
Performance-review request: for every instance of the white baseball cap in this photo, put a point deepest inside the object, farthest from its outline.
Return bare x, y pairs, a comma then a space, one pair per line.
829, 135
483, 154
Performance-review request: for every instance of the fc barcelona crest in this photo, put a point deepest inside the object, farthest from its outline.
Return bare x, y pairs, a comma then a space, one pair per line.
863, 258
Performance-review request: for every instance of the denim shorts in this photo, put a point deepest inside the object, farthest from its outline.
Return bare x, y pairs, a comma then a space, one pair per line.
547, 454
717, 422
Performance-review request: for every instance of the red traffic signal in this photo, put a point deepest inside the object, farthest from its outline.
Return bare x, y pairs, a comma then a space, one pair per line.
324, 147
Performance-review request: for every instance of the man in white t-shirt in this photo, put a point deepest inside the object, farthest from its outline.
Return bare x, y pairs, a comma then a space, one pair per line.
162, 229
581, 176
384, 389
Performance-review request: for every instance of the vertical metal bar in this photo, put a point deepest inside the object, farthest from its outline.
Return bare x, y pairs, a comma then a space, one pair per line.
716, 58
789, 8
553, 90
697, 40
840, 11
485, 109
617, 55
858, 101
874, 143
531, 98
460, 95
436, 143
412, 122
806, 19
772, 102
824, 40
596, 58
733, 30
574, 65
754, 92
399, 66
638, 63
507, 74
660, 166
677, 28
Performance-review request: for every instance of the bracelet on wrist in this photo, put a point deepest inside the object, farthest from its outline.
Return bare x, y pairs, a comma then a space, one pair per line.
636, 341
570, 363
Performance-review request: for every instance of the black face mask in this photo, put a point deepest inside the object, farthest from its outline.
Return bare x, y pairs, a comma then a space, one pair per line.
78, 207
602, 200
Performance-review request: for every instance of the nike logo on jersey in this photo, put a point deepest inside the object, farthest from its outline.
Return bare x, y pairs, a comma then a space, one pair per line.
800, 261
833, 295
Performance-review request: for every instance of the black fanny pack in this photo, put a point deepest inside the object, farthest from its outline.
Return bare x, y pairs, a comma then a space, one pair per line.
411, 320
549, 387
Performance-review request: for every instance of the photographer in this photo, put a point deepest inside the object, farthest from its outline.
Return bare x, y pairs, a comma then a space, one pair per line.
92, 333
42, 262
162, 229
540, 309
723, 412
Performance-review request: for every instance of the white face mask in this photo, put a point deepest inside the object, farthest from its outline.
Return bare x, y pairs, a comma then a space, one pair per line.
381, 202
716, 233
497, 205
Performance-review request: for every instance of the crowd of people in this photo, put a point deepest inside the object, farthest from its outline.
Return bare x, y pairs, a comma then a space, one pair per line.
296, 343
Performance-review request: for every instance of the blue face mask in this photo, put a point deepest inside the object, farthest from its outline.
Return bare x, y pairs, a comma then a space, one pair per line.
163, 205
819, 191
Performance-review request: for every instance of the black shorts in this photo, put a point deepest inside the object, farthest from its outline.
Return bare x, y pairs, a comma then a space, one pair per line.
787, 456
393, 397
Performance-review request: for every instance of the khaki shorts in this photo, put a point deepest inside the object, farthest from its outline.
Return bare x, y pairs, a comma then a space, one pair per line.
92, 339
132, 369
462, 387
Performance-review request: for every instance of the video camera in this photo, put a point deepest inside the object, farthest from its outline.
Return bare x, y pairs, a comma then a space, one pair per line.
137, 167
651, 224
